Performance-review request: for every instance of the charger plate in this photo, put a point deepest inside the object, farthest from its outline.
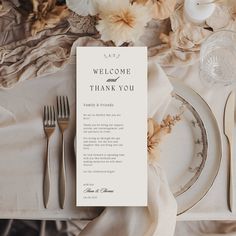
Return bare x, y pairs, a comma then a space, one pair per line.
191, 154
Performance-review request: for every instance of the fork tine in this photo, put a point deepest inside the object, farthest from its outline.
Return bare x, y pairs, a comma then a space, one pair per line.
58, 107
64, 107
54, 116
61, 107
68, 107
50, 119
44, 115
47, 115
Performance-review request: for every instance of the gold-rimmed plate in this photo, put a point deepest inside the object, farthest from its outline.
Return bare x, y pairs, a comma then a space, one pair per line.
191, 155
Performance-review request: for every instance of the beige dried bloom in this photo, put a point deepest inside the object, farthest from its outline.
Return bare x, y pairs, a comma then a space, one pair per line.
162, 9
122, 22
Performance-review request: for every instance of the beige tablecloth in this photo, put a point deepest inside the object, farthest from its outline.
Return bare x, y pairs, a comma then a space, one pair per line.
22, 160
23, 147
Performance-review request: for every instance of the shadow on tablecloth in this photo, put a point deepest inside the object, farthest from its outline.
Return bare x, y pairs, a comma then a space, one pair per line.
73, 228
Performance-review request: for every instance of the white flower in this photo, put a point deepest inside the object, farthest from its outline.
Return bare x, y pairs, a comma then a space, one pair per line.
162, 9
121, 21
83, 7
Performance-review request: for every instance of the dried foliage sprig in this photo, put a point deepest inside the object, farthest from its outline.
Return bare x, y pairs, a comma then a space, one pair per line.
157, 131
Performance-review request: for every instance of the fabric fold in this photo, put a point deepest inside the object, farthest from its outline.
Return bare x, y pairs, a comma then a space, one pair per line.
23, 56
140, 221
159, 90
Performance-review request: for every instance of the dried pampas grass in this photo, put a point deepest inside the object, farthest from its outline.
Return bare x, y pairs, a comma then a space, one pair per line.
46, 14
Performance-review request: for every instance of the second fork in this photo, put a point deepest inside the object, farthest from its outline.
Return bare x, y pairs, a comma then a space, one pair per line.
63, 116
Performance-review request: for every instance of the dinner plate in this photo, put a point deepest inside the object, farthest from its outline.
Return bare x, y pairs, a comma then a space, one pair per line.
191, 154
191, 160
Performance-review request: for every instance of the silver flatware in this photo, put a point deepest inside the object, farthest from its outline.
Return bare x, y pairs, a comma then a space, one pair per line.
63, 117
49, 123
228, 131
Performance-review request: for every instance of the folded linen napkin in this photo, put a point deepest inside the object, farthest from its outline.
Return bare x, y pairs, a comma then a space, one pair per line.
159, 89
159, 217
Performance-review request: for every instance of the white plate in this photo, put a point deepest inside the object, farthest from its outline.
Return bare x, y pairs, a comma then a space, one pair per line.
191, 133
191, 154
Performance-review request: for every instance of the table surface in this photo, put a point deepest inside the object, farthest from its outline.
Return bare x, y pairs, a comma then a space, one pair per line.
23, 143
23, 150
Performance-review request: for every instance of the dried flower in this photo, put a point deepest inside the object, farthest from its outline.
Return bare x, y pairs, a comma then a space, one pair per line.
83, 7
46, 14
156, 132
121, 21
162, 9
5, 7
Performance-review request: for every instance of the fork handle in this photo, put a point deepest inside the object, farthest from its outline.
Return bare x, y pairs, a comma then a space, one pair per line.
46, 181
62, 180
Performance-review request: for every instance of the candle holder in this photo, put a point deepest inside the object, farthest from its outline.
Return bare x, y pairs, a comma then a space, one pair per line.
197, 11
207, 3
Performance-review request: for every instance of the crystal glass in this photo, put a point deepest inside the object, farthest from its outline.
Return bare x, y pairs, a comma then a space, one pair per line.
218, 58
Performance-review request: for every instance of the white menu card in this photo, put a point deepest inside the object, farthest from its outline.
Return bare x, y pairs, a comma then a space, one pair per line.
111, 128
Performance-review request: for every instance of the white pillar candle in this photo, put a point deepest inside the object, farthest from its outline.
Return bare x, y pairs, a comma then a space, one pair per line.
197, 11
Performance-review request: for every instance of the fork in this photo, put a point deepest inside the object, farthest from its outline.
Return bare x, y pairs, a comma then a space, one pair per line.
63, 117
49, 123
